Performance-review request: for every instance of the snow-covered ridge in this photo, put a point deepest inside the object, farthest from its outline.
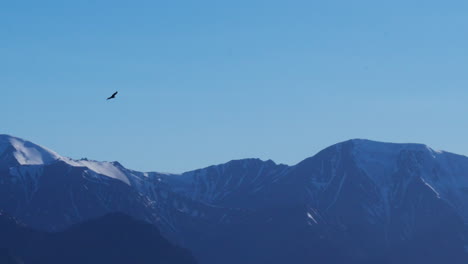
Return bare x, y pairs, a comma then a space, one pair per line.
378, 159
100, 167
28, 153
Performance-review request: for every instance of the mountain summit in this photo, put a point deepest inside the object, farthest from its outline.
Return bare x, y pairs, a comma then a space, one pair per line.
23, 152
18, 152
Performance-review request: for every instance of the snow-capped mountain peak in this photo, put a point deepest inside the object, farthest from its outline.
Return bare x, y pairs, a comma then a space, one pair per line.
26, 152
392, 167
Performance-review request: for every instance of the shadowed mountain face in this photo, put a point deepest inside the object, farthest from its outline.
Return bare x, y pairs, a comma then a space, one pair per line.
114, 238
355, 202
7, 258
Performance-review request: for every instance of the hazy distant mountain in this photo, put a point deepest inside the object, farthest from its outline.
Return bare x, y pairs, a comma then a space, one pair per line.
355, 202
114, 238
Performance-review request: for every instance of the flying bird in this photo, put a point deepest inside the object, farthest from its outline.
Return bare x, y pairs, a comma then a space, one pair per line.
113, 95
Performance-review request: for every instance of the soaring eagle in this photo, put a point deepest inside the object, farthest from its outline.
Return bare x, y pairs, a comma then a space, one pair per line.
113, 95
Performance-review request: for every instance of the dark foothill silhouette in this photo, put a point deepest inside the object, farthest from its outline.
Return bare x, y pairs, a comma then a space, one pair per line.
112, 96
113, 238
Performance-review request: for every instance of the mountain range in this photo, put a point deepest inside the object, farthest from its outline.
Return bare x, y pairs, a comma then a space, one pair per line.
358, 201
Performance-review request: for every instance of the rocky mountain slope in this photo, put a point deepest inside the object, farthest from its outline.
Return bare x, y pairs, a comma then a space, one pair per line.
358, 201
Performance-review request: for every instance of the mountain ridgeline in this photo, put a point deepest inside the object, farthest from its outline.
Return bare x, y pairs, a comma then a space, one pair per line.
358, 201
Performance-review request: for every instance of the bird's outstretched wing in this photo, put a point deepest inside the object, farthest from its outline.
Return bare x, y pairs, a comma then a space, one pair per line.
112, 96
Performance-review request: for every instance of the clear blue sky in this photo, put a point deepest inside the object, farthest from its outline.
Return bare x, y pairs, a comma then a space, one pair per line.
204, 82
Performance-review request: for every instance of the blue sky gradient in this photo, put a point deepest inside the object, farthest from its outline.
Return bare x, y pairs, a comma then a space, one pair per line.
204, 82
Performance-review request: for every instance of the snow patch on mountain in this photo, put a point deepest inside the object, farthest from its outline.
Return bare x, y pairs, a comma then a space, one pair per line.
27, 153
104, 168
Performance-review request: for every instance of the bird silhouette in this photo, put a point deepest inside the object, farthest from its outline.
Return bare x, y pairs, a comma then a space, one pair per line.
113, 95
